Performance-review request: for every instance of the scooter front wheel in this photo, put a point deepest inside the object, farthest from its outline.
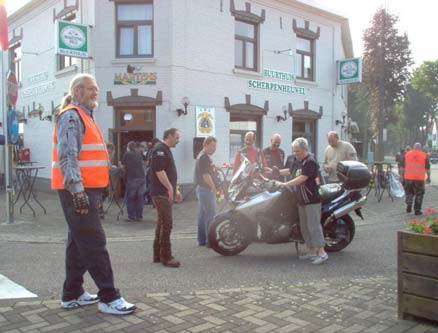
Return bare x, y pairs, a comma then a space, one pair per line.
227, 236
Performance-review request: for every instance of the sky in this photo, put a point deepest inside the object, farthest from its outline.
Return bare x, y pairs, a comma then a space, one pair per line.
417, 18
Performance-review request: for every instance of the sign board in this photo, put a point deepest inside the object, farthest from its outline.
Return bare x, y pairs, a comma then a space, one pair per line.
72, 39
276, 87
38, 90
278, 75
12, 89
205, 121
12, 126
349, 71
135, 78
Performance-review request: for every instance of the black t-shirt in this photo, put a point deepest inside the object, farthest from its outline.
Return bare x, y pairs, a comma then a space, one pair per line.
162, 160
133, 163
309, 191
203, 166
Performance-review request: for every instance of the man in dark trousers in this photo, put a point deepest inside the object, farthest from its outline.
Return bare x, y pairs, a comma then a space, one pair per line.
205, 189
164, 191
416, 165
274, 157
132, 163
80, 171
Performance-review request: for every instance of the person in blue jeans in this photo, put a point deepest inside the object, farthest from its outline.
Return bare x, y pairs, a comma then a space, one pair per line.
205, 189
132, 163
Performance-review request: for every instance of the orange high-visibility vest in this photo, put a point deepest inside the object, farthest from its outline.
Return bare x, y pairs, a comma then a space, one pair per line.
93, 158
415, 165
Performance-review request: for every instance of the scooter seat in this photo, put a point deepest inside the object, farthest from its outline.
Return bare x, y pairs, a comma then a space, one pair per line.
329, 192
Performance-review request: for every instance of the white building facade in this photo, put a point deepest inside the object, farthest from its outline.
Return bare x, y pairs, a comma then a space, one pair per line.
262, 65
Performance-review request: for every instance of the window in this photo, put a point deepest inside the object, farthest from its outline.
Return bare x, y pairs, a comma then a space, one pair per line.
305, 59
134, 30
15, 60
245, 45
66, 61
239, 125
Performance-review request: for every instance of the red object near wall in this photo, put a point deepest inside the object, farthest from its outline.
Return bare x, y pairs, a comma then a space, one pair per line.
4, 44
24, 154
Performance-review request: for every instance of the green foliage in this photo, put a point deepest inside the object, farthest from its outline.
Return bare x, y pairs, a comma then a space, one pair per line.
427, 225
418, 109
425, 79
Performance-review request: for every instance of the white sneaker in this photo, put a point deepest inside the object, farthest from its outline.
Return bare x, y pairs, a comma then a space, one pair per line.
307, 256
320, 259
84, 299
118, 307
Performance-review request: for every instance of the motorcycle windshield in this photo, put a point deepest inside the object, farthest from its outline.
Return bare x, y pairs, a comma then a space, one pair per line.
243, 171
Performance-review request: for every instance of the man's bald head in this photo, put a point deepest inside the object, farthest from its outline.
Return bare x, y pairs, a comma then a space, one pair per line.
333, 138
249, 139
275, 141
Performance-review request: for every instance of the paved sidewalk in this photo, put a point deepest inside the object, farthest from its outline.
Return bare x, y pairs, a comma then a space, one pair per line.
360, 305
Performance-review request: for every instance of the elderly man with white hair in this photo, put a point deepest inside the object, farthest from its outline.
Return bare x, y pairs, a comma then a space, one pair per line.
80, 171
305, 186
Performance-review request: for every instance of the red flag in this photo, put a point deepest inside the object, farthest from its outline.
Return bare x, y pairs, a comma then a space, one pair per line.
4, 43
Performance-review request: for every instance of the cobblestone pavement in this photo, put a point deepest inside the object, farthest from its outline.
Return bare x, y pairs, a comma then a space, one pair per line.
361, 305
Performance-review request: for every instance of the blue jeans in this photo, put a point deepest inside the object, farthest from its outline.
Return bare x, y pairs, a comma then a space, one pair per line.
206, 212
135, 190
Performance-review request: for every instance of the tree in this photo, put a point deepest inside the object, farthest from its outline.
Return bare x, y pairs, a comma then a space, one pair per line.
358, 110
425, 79
418, 108
387, 59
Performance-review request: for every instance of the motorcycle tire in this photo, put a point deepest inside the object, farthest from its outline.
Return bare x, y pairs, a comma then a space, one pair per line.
339, 234
225, 236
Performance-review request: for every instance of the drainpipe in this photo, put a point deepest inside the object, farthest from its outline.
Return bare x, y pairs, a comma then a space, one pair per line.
333, 80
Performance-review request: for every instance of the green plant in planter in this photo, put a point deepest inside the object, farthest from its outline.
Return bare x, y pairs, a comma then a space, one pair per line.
427, 225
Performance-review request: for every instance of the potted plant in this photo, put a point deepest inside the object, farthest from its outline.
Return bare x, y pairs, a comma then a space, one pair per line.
418, 268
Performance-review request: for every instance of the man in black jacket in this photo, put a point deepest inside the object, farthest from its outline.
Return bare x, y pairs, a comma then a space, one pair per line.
164, 191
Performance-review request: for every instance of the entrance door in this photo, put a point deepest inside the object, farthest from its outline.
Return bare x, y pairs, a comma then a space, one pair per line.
305, 128
132, 125
239, 125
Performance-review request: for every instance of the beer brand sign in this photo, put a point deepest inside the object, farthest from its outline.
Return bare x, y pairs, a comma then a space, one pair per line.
205, 121
135, 78
72, 39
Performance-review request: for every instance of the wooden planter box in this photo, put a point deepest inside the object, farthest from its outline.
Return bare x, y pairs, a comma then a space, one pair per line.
417, 276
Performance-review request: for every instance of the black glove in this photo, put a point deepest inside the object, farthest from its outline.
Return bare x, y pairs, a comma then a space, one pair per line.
428, 180
81, 202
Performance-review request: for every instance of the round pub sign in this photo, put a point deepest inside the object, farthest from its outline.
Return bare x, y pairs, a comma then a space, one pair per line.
12, 89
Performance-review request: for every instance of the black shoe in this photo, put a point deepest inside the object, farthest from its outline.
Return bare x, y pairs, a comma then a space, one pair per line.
418, 212
408, 209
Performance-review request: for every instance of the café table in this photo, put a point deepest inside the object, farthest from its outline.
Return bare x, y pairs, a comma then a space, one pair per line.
380, 179
25, 181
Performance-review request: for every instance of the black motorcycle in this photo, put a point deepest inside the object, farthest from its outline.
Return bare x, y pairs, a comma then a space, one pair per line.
260, 212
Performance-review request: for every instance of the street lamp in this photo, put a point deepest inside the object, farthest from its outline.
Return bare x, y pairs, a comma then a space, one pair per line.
284, 117
185, 101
